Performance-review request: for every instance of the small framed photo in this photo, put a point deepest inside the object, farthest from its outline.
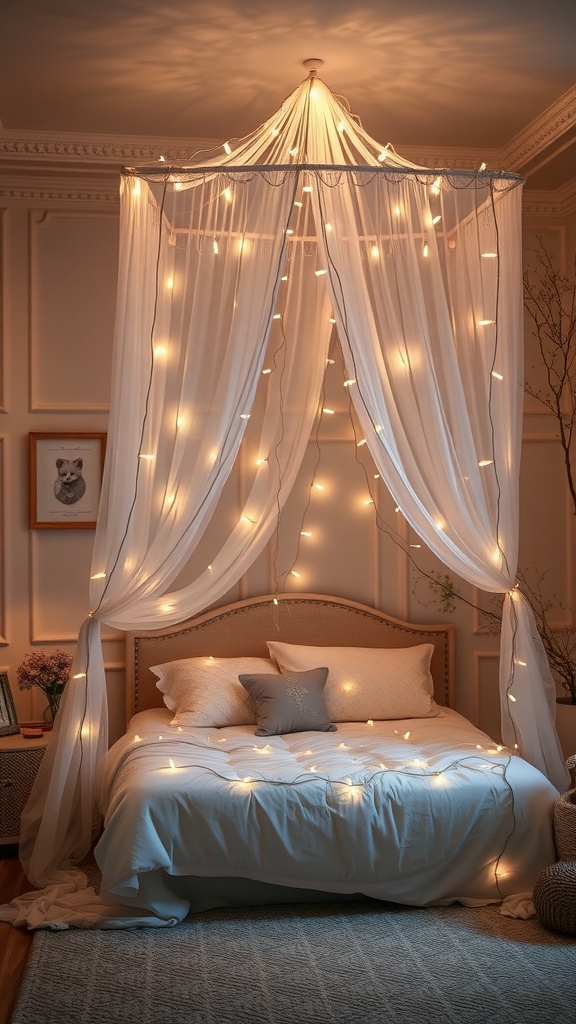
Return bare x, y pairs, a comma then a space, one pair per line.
65, 480
8, 720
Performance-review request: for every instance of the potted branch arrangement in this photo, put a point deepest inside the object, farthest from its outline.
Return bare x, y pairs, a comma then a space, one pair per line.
550, 301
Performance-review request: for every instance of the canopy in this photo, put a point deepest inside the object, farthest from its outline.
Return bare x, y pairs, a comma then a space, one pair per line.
234, 272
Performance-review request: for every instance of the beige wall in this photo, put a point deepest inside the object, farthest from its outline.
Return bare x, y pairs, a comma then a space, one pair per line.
59, 252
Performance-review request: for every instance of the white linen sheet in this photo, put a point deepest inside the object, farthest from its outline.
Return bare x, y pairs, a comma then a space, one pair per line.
419, 812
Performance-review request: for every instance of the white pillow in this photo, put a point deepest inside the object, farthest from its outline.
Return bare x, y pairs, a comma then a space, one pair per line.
367, 682
207, 691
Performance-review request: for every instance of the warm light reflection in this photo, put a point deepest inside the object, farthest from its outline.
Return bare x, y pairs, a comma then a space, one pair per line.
440, 781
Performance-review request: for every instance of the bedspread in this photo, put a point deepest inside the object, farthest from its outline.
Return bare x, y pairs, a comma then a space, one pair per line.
419, 812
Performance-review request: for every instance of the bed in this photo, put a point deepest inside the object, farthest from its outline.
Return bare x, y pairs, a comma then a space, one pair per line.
336, 769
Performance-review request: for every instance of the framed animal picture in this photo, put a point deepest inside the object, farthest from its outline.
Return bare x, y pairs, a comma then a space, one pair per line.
65, 479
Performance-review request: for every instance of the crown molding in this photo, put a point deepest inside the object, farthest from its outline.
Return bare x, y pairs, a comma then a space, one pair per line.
28, 188
561, 203
454, 158
542, 133
82, 168
55, 150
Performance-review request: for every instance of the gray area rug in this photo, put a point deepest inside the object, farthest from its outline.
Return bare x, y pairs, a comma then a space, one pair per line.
356, 963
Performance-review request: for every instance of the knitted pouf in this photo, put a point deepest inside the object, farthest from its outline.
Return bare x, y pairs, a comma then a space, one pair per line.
554, 897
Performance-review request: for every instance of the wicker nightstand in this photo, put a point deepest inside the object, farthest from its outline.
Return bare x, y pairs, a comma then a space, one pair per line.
20, 759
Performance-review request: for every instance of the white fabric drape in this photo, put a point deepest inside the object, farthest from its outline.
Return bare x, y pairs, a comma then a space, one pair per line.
430, 328
223, 277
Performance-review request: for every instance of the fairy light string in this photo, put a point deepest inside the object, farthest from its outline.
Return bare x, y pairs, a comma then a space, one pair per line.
355, 785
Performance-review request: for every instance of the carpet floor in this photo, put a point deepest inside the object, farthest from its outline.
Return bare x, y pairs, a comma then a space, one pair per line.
356, 963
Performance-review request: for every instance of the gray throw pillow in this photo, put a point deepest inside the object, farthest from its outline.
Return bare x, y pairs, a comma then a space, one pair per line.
289, 703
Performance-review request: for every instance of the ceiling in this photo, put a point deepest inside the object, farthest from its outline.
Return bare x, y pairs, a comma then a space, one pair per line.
449, 74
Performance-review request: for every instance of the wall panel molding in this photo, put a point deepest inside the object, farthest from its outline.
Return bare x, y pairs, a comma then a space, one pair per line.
69, 599
480, 658
41, 220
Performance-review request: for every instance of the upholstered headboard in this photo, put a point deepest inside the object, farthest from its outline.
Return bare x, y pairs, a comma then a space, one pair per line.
242, 628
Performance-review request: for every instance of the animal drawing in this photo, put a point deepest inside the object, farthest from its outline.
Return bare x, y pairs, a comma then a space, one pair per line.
70, 484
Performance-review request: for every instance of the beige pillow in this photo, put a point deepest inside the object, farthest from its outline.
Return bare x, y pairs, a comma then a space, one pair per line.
207, 691
367, 682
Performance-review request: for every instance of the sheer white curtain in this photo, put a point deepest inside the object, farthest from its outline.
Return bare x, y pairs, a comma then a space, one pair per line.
223, 273
425, 276
210, 300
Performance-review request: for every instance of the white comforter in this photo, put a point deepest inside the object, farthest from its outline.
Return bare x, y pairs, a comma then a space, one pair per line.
421, 811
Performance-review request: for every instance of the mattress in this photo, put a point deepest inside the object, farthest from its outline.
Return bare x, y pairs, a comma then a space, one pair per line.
417, 811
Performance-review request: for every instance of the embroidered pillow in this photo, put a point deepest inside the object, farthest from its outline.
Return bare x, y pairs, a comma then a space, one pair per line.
289, 703
206, 691
366, 682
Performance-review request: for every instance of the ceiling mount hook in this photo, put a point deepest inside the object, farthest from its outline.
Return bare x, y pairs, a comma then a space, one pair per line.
313, 64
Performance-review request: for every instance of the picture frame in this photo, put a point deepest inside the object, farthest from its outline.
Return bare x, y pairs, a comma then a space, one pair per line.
65, 471
8, 718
